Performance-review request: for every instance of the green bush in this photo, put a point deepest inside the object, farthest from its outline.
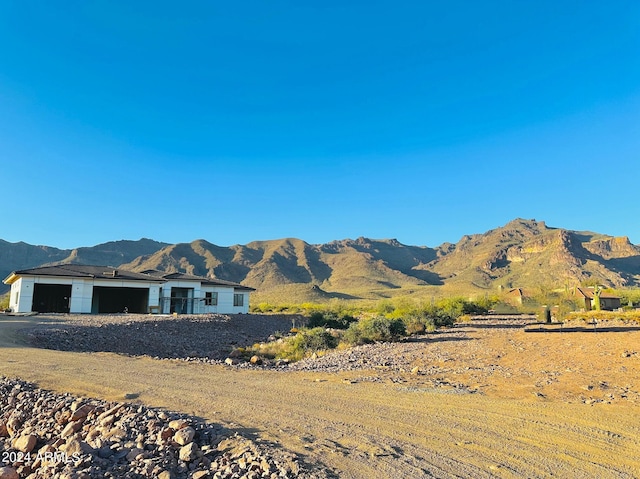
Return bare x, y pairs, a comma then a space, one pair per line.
307, 342
628, 297
458, 306
4, 302
418, 324
330, 320
374, 329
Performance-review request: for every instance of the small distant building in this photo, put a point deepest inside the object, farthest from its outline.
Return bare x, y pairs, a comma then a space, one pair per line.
608, 301
515, 296
72, 288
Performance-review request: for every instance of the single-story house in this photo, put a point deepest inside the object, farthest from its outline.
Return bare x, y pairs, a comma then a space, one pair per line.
608, 301
72, 288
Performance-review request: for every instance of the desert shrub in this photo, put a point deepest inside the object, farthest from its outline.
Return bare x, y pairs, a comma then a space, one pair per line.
302, 344
631, 316
307, 342
378, 328
317, 339
263, 308
4, 302
458, 306
385, 307
564, 307
418, 324
629, 297
439, 317
330, 320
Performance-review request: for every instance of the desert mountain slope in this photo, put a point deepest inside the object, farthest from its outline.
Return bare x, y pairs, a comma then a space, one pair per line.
527, 253
346, 264
16, 256
522, 253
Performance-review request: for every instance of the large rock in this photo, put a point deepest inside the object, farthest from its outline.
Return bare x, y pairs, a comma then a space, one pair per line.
25, 443
178, 424
189, 452
82, 412
184, 436
71, 428
257, 360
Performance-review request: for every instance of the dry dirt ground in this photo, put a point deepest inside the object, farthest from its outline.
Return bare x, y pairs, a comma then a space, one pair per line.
482, 399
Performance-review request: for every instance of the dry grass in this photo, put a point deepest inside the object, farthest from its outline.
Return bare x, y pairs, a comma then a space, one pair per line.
396, 425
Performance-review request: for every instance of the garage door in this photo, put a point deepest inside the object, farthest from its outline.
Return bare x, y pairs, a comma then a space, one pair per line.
51, 298
119, 300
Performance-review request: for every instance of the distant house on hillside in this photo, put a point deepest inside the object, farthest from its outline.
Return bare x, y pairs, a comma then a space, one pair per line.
608, 301
72, 288
515, 296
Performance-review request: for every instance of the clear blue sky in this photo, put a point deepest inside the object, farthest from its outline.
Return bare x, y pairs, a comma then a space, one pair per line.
239, 121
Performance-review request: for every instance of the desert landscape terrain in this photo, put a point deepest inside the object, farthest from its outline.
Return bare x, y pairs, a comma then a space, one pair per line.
485, 398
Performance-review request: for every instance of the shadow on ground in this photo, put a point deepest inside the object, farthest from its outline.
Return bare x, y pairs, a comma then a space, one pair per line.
202, 337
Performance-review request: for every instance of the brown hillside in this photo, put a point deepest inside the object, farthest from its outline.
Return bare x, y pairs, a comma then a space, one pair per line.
523, 253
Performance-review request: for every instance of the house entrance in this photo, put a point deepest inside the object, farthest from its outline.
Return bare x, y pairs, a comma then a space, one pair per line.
51, 298
181, 300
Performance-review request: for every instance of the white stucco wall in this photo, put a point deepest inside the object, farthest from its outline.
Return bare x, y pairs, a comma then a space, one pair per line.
21, 296
245, 303
82, 293
154, 295
225, 297
22, 290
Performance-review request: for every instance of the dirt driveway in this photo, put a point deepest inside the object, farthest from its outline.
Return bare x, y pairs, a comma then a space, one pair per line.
479, 400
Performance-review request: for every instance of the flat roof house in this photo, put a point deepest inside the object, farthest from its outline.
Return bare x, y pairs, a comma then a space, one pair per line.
72, 288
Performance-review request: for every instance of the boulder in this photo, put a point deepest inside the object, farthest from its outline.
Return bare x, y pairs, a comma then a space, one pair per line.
178, 424
71, 428
189, 452
25, 443
82, 412
184, 436
257, 360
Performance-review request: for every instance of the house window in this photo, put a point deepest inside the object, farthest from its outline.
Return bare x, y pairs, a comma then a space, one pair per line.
238, 299
210, 299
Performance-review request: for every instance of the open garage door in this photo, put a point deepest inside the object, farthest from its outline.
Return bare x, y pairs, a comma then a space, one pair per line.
119, 300
51, 298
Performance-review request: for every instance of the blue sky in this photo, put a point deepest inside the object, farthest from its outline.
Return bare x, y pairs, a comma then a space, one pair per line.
240, 121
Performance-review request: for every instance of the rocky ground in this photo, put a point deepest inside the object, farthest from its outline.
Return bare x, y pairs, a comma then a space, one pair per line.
499, 355
45, 435
211, 336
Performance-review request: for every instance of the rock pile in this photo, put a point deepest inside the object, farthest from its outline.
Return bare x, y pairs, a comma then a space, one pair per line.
47, 435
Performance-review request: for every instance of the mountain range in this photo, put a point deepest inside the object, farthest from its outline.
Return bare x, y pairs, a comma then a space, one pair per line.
522, 253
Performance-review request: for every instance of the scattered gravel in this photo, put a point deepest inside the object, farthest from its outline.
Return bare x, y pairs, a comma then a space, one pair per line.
210, 337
